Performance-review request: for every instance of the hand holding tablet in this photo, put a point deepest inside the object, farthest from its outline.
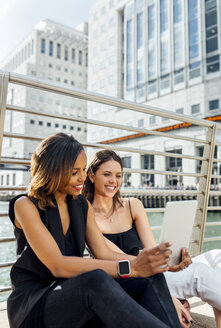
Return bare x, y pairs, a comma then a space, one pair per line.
177, 227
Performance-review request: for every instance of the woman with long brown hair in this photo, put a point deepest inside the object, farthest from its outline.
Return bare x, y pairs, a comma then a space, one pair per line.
53, 285
125, 225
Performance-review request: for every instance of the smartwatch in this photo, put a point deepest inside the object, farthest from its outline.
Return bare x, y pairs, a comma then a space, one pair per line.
124, 268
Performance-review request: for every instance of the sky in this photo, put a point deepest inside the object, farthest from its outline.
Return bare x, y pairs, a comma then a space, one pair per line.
19, 17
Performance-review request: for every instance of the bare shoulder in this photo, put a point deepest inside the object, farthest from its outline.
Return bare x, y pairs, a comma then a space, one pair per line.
135, 203
24, 207
90, 213
22, 202
90, 207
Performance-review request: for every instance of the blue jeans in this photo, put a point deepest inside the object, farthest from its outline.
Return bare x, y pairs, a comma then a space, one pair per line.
94, 299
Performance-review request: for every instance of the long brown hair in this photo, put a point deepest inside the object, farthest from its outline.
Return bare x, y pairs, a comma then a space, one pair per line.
99, 158
51, 167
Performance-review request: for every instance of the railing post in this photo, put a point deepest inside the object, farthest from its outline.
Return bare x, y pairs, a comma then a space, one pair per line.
204, 188
4, 78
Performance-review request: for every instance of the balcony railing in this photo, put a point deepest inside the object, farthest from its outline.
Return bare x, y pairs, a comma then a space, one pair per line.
208, 142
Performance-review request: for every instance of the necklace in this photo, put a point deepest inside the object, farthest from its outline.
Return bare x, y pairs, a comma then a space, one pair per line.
106, 216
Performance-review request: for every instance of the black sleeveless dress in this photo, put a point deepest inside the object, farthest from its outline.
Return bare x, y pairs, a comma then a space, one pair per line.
128, 241
30, 278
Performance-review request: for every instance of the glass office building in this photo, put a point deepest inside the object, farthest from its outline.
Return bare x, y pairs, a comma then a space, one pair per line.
163, 53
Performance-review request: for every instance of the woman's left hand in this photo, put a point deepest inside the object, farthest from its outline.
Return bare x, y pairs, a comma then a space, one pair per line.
185, 261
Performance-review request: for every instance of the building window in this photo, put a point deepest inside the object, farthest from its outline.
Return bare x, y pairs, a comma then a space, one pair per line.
103, 10
40, 122
49, 124
194, 70
80, 58
86, 59
7, 179
43, 46
195, 109
193, 29
73, 55
179, 110
174, 164
13, 179
56, 125
140, 123
211, 26
32, 46
32, 121
111, 3
147, 163
214, 104
212, 64
2, 180
79, 129
126, 161
58, 50
50, 48
71, 128
152, 120
66, 53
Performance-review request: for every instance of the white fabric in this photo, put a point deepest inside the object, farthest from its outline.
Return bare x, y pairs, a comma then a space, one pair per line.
202, 278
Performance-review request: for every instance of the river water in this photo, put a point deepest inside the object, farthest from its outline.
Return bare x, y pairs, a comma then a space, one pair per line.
8, 251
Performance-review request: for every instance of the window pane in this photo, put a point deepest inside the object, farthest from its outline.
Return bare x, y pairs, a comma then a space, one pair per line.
214, 104
140, 34
211, 18
42, 46
212, 44
195, 109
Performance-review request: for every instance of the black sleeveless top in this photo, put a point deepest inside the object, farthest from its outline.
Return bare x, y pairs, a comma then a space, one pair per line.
31, 280
128, 241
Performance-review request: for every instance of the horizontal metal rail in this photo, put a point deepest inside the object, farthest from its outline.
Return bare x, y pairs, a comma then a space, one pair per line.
100, 98
155, 172
103, 124
210, 239
7, 239
6, 264
103, 146
13, 188
5, 289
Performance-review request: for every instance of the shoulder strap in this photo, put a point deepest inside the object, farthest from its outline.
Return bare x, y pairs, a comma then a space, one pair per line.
130, 209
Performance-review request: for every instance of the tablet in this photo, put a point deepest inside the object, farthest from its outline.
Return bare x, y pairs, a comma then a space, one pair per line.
177, 226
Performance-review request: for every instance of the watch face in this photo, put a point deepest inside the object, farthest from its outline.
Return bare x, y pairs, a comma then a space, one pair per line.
124, 268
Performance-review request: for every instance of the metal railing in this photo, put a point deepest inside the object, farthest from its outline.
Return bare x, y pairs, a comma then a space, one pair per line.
202, 193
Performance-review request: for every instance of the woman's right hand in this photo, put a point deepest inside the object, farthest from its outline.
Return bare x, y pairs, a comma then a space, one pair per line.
151, 261
183, 313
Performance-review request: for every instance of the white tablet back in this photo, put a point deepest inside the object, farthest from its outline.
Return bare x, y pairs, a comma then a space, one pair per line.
177, 226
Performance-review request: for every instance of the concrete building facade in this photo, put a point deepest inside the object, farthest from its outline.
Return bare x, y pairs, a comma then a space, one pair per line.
161, 53
52, 52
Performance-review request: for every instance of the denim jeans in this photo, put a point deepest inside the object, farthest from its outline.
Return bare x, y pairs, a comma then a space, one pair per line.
94, 299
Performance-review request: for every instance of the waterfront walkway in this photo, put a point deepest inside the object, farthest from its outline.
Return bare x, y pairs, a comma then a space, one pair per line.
201, 312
